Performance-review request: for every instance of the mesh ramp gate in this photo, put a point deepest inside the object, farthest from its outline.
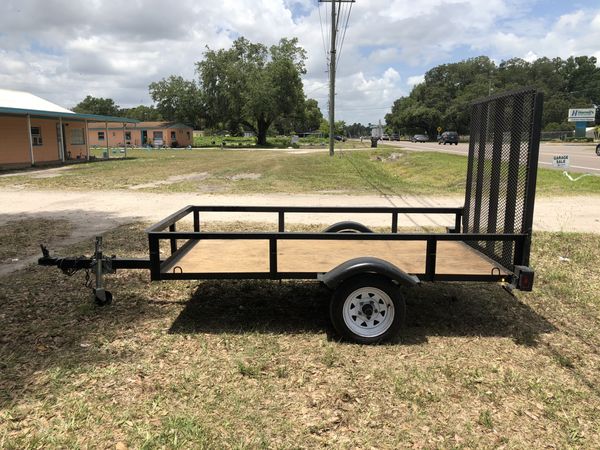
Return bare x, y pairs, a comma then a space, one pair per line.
502, 170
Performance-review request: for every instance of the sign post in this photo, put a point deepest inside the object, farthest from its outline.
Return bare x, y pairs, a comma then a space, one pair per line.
581, 116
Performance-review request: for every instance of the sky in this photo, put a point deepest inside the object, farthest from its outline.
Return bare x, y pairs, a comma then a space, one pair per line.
63, 50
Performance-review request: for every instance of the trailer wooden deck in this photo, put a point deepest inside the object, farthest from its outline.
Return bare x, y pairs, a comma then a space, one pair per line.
302, 256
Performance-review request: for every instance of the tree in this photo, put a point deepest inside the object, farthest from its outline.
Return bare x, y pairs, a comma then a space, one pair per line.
311, 117
339, 127
142, 113
177, 100
97, 105
357, 130
251, 85
444, 98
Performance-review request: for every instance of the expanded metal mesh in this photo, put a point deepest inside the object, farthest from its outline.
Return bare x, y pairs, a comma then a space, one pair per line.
503, 154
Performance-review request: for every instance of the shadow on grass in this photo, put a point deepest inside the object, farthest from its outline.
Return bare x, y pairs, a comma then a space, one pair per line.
440, 309
52, 166
48, 323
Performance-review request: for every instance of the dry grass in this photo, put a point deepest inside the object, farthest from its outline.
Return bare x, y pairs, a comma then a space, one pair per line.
247, 364
20, 237
277, 171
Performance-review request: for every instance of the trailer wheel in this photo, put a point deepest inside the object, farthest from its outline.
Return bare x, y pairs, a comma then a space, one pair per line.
107, 300
367, 309
347, 227
598, 149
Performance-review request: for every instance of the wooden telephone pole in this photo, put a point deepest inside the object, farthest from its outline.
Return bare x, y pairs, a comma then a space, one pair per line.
332, 61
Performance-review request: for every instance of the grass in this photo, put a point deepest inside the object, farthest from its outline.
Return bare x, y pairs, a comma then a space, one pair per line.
264, 171
25, 235
255, 364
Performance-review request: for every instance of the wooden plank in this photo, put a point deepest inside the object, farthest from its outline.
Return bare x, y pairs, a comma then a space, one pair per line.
322, 256
230, 256
227, 255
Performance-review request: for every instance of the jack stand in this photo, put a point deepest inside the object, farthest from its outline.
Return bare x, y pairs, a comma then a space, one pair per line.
101, 266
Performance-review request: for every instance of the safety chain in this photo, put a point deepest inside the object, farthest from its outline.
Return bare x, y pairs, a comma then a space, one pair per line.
72, 271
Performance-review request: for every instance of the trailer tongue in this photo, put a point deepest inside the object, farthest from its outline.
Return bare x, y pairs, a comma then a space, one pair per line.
490, 240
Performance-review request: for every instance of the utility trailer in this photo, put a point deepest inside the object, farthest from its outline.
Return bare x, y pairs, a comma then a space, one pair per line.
490, 240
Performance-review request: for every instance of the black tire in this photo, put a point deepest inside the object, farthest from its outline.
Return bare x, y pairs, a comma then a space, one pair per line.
347, 227
369, 287
598, 149
103, 302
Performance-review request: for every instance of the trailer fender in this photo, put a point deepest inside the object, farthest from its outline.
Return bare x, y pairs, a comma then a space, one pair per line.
358, 266
347, 226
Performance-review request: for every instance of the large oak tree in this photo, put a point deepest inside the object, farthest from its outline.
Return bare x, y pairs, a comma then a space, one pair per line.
252, 85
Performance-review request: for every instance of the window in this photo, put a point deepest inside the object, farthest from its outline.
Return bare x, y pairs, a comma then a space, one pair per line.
128, 135
36, 136
77, 136
173, 135
100, 135
157, 135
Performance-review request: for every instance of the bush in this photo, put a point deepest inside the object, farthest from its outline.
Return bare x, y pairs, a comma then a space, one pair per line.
279, 141
579, 139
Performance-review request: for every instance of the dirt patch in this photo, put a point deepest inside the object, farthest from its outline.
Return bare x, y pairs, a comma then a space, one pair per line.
244, 176
390, 158
172, 180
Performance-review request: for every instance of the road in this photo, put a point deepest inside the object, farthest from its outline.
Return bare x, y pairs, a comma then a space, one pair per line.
582, 157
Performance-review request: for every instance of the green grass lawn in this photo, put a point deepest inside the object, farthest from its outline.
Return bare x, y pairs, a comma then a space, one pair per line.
254, 364
279, 171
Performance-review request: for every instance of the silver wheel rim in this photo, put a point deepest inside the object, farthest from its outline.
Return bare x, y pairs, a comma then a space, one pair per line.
368, 312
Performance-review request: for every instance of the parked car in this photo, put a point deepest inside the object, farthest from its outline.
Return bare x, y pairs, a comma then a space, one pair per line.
385, 137
340, 138
395, 137
419, 138
448, 137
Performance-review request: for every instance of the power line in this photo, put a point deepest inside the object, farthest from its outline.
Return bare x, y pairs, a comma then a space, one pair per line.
343, 14
344, 32
322, 33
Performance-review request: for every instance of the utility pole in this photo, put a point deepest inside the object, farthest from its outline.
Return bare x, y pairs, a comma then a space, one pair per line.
332, 57
332, 80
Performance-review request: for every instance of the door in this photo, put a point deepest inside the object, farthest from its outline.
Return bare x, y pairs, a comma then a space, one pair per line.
144, 138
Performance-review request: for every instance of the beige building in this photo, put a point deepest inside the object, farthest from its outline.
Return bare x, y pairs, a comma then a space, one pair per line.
141, 134
35, 131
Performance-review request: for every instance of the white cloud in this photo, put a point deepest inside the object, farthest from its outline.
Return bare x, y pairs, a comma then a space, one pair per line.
415, 79
571, 34
530, 56
64, 50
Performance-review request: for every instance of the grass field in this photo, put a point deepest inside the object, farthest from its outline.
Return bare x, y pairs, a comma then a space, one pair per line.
254, 364
280, 171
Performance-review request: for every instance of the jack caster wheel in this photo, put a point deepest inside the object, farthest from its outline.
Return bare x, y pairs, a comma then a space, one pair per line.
103, 301
367, 309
